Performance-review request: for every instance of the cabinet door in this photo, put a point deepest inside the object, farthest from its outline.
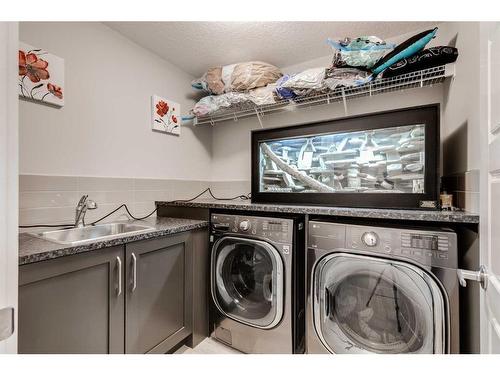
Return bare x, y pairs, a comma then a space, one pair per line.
73, 304
159, 294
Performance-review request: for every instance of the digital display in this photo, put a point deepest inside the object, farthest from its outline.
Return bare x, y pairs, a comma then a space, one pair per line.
419, 241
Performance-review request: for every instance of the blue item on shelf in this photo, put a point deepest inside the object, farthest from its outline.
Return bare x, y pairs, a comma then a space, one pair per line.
284, 92
406, 49
362, 52
198, 86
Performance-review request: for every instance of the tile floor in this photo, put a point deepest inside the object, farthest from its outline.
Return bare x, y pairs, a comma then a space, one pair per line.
207, 346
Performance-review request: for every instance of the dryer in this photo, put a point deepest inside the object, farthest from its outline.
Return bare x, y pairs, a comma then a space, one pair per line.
381, 290
257, 283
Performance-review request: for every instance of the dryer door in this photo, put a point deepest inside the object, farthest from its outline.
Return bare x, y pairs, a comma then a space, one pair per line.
247, 281
372, 305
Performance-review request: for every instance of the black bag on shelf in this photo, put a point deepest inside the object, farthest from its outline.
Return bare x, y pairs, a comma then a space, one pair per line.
425, 59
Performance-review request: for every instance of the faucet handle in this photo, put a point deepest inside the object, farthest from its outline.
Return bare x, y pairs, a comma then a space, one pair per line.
91, 205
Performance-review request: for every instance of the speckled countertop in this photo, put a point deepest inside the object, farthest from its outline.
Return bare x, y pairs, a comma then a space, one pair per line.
418, 215
33, 249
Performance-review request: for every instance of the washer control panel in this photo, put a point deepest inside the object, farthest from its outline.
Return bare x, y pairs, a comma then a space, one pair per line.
273, 229
427, 247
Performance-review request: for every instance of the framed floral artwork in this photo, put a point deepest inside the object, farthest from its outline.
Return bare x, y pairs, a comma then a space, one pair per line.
166, 115
41, 75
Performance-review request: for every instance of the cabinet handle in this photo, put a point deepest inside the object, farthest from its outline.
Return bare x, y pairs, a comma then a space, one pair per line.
134, 272
119, 265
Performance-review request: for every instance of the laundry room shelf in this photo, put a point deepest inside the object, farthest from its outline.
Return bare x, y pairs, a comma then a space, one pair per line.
422, 78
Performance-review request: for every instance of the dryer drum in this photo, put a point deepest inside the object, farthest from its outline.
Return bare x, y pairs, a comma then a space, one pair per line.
380, 317
247, 272
375, 305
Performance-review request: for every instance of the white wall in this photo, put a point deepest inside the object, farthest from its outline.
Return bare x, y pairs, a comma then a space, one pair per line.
461, 114
231, 140
108, 111
104, 128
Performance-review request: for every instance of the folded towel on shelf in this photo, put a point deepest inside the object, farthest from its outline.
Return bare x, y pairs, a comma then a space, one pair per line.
343, 77
240, 77
211, 104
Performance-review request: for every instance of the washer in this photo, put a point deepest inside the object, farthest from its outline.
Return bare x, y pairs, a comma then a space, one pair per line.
381, 290
257, 289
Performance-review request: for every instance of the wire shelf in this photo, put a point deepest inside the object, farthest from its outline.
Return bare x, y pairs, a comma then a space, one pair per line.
422, 78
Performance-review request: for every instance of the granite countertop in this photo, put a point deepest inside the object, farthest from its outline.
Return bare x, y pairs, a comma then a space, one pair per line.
33, 249
418, 215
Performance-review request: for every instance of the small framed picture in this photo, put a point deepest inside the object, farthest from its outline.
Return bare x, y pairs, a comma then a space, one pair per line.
166, 115
41, 75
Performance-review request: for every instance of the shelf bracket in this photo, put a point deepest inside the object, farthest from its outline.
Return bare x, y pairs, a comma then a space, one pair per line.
344, 100
259, 118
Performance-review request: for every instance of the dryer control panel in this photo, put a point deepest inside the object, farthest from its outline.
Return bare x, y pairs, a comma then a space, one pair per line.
427, 247
273, 229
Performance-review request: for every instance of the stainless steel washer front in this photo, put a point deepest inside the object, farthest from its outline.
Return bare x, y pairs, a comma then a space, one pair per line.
253, 274
247, 281
381, 290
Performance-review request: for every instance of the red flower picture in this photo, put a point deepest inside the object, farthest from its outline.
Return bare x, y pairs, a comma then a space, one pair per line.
55, 90
165, 115
33, 67
161, 108
41, 75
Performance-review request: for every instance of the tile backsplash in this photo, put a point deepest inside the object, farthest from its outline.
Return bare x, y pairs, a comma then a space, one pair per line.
52, 199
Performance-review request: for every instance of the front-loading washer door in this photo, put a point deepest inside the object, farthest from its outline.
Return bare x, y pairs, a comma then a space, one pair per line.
247, 281
371, 305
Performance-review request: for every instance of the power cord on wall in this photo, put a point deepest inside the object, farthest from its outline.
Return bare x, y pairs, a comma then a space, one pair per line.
242, 197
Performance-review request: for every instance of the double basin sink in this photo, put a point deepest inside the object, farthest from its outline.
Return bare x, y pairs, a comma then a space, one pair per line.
84, 235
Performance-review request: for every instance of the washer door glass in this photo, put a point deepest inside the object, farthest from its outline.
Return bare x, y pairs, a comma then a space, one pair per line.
370, 305
247, 281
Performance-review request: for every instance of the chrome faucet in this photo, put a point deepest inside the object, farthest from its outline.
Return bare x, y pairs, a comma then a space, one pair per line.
81, 209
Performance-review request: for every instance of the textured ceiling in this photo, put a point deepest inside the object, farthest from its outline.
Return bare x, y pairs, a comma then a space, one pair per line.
195, 46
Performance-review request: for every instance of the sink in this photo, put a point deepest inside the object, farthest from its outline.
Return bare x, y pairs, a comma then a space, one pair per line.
78, 236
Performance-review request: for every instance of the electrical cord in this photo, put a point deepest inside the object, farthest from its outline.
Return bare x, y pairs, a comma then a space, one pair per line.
242, 197
47, 226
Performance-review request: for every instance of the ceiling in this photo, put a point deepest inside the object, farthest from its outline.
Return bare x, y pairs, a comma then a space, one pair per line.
195, 46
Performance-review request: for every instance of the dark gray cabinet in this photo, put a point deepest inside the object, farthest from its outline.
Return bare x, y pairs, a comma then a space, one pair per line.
159, 294
136, 298
72, 304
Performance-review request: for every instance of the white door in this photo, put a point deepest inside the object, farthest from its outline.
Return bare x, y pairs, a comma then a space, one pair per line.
8, 184
490, 185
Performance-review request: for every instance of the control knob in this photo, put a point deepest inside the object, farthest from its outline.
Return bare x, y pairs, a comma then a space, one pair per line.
370, 239
244, 225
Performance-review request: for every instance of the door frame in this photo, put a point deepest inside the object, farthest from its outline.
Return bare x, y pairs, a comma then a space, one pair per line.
489, 174
9, 175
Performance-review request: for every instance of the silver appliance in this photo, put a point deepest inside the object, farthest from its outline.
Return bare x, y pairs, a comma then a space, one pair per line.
253, 282
381, 290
